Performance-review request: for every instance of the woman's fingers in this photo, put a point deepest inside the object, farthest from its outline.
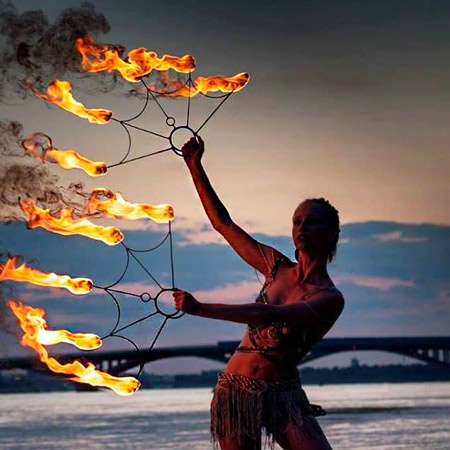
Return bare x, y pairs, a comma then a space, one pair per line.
193, 145
179, 297
201, 143
184, 301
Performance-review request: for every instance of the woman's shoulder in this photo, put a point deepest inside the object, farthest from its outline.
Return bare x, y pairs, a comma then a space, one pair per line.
334, 289
339, 295
284, 261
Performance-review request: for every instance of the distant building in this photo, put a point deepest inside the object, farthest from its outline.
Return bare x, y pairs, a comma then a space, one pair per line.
355, 362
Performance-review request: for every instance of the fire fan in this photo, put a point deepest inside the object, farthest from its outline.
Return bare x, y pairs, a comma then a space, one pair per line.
102, 202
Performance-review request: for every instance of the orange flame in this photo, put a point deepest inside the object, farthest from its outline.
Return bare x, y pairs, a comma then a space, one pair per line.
67, 159
100, 58
59, 93
114, 205
66, 225
204, 85
77, 286
35, 326
36, 335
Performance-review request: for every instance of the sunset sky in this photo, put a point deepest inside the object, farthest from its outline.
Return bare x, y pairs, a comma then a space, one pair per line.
347, 100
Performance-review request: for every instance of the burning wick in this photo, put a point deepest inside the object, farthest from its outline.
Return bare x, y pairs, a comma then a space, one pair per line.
114, 205
77, 286
41, 147
37, 329
203, 85
101, 58
59, 93
66, 225
36, 335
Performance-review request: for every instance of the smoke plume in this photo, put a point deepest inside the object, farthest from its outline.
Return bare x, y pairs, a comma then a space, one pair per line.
33, 48
21, 177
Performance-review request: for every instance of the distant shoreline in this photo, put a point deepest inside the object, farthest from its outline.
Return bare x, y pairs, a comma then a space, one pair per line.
11, 382
93, 390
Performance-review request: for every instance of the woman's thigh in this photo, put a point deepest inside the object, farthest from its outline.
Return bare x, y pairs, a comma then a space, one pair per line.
292, 439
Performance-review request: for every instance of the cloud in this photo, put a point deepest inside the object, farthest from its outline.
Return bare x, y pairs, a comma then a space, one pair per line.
34, 295
244, 291
398, 236
197, 233
374, 282
201, 237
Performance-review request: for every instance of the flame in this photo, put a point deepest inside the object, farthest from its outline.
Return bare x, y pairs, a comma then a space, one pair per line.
100, 58
204, 85
36, 335
217, 83
66, 225
70, 159
67, 159
59, 93
114, 205
34, 325
77, 286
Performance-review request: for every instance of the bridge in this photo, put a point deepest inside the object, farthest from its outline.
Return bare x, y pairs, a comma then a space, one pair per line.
432, 350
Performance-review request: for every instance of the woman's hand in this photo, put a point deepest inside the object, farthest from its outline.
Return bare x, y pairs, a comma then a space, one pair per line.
193, 150
185, 302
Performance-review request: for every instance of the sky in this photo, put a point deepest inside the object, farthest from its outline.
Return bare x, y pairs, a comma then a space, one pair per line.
347, 101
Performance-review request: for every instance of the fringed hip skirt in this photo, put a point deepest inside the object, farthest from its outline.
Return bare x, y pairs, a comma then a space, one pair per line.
242, 407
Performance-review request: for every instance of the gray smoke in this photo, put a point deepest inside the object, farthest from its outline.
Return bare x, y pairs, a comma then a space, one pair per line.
35, 49
32, 48
22, 177
11, 133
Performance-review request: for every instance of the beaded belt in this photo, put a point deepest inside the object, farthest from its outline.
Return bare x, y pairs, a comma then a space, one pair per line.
225, 379
253, 384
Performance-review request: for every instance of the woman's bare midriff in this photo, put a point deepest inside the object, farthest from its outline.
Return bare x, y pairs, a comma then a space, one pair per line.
254, 365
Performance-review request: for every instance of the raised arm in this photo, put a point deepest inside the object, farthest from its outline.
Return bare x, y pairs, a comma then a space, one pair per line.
258, 255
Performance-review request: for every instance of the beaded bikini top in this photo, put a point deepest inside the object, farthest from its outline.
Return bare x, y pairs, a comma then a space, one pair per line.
278, 337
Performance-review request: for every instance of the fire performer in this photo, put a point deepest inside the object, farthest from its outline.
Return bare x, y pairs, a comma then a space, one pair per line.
260, 388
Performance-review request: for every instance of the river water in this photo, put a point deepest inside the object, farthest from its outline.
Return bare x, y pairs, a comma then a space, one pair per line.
381, 416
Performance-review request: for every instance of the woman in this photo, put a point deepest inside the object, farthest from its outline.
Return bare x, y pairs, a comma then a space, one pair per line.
298, 304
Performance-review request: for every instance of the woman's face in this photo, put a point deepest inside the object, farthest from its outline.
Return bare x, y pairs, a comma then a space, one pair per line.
310, 229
